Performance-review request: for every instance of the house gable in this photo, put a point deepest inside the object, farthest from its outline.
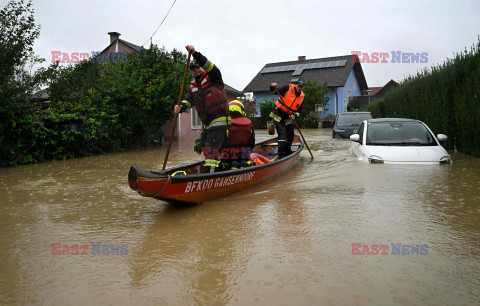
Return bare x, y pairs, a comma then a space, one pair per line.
387, 87
331, 70
232, 93
376, 93
343, 75
121, 46
118, 45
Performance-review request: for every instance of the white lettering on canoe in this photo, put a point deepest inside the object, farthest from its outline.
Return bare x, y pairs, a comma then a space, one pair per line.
219, 182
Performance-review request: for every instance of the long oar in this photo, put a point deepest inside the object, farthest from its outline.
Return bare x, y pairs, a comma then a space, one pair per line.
281, 100
176, 115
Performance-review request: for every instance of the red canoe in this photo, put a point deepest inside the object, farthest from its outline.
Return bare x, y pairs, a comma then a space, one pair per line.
198, 187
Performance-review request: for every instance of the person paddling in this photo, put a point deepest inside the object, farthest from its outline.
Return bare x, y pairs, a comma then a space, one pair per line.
207, 94
288, 107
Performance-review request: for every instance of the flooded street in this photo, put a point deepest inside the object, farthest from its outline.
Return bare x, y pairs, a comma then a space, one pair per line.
285, 242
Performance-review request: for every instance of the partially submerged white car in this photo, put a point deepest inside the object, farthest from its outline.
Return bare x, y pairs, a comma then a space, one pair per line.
398, 141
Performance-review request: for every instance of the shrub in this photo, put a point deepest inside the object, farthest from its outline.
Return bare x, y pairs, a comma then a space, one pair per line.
266, 107
445, 98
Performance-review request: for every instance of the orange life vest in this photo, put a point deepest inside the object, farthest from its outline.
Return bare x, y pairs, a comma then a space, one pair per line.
209, 101
290, 102
259, 159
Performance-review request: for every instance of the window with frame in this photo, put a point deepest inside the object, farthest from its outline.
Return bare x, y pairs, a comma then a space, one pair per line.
196, 122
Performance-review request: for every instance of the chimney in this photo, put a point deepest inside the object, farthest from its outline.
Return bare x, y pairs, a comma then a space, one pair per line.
302, 58
114, 36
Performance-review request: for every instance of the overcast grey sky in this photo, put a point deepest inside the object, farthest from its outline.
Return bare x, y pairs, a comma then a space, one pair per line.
242, 36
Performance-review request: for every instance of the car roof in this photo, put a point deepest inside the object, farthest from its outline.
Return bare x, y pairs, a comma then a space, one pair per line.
353, 113
392, 120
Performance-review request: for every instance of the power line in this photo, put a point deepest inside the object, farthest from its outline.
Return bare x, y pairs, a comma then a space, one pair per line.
160, 23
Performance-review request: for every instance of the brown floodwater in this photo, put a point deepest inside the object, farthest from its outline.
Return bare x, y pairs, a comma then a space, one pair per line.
285, 242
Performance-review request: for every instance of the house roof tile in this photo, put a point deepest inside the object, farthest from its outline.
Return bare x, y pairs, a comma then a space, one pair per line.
128, 44
374, 90
232, 90
390, 84
333, 76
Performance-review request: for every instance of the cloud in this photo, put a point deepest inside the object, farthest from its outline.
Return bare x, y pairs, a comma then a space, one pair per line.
242, 36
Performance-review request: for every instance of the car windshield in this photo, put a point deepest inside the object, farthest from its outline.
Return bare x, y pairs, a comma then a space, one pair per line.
399, 134
352, 119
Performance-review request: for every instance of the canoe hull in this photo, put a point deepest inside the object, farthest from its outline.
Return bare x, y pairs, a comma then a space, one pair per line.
205, 187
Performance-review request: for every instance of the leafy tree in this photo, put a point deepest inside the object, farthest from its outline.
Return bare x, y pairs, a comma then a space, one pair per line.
266, 107
94, 107
18, 32
314, 94
104, 107
18, 119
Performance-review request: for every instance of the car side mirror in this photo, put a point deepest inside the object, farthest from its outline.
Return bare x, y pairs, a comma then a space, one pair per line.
442, 137
355, 137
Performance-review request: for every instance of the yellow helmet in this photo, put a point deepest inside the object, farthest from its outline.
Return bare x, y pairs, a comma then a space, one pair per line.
236, 106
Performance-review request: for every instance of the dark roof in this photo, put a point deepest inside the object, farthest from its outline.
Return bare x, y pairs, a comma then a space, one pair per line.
232, 90
334, 76
390, 84
374, 90
134, 47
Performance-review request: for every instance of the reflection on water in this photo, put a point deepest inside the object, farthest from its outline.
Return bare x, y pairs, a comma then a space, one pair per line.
287, 241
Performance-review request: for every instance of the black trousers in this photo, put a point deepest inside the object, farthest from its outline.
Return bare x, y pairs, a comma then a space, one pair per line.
285, 138
214, 140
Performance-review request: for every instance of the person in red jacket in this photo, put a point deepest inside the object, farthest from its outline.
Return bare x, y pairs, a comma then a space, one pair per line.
240, 140
207, 94
288, 107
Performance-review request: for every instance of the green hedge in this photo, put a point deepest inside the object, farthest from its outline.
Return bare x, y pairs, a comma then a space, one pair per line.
94, 108
446, 98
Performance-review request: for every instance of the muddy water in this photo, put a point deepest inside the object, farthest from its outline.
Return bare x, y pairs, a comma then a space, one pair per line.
285, 242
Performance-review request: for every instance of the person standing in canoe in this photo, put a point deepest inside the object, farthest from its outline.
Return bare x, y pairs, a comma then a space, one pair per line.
240, 140
207, 93
288, 107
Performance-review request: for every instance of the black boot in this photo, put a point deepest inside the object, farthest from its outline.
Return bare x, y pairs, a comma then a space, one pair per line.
282, 148
288, 148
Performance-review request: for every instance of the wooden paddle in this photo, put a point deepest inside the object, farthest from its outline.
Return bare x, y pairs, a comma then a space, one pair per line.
281, 100
176, 115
